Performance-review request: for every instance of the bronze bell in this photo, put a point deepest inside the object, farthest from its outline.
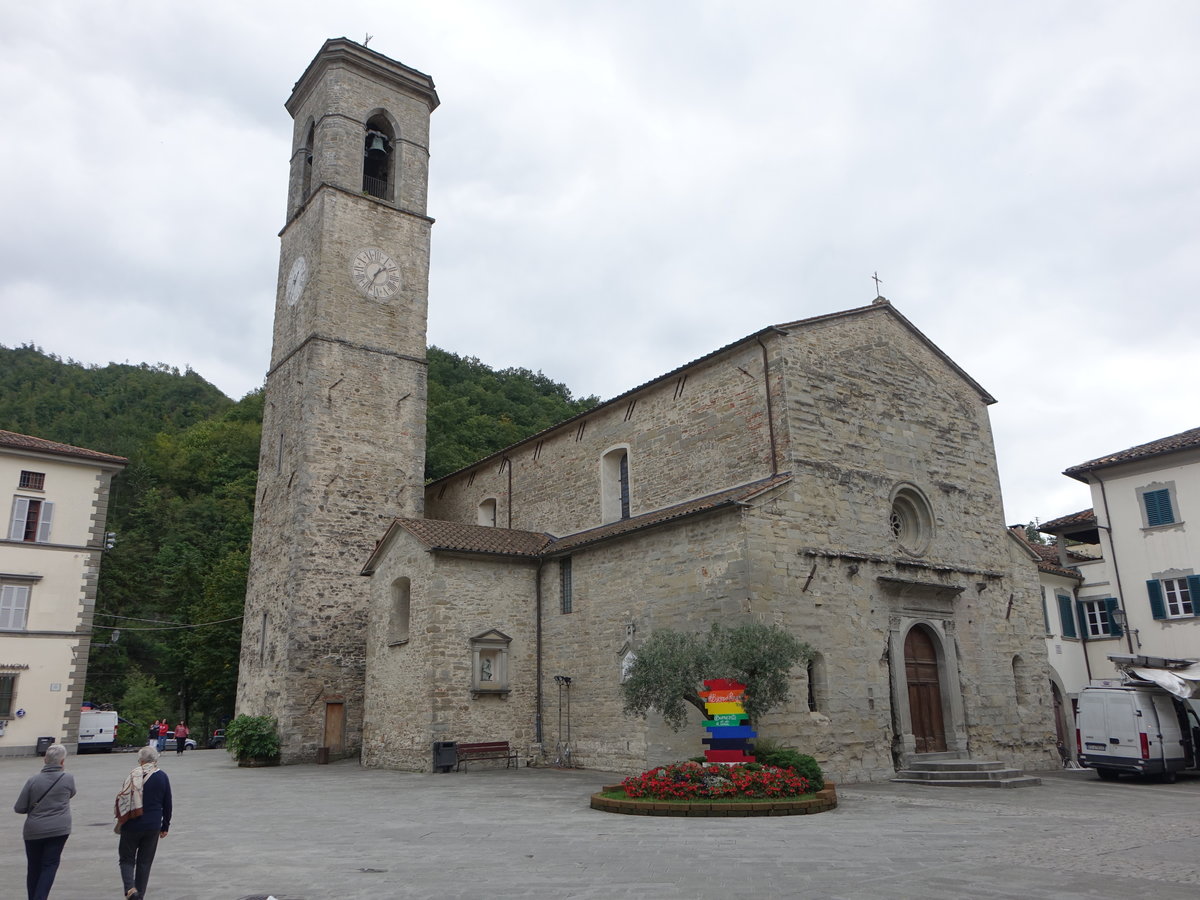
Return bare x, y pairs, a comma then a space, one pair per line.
376, 144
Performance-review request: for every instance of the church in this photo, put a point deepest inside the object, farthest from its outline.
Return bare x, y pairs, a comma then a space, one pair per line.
833, 475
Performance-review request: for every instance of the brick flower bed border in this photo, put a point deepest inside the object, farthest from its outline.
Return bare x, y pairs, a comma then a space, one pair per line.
824, 801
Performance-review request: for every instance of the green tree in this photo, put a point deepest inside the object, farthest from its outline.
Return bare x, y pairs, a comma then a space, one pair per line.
143, 703
671, 667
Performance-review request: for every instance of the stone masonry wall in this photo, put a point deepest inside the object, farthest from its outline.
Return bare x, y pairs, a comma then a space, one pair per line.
686, 437
420, 691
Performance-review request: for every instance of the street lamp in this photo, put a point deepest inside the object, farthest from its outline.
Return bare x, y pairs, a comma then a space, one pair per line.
1121, 620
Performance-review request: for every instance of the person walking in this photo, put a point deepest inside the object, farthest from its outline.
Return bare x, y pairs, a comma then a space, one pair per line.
181, 733
143, 809
162, 735
45, 801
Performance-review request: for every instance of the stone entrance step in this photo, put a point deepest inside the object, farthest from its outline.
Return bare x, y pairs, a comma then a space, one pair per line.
964, 773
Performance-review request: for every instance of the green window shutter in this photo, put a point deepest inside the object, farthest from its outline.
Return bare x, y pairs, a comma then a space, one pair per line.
1067, 616
1158, 507
1193, 583
1113, 628
1158, 608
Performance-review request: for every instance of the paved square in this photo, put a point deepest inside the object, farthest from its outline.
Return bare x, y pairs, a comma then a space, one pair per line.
341, 831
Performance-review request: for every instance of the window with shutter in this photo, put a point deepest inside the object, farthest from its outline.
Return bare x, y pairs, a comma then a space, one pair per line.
1067, 616
14, 606
8, 690
1158, 507
1158, 608
1114, 627
31, 520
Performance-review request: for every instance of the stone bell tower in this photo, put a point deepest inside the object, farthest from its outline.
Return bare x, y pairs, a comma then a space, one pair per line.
343, 444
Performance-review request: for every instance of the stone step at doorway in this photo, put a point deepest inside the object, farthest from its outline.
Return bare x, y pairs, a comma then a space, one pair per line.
964, 773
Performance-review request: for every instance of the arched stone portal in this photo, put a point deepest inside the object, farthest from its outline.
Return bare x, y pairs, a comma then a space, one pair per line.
924, 691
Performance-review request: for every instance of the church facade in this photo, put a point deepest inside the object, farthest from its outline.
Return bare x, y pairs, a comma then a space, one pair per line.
834, 475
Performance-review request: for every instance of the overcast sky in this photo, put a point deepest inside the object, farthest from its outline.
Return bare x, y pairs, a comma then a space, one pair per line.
622, 187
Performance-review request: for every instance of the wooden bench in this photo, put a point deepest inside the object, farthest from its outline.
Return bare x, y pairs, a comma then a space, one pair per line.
487, 750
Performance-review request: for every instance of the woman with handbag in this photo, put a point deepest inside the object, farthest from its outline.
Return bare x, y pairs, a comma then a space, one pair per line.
45, 801
143, 810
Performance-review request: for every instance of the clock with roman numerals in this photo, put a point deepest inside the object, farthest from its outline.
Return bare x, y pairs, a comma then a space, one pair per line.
375, 273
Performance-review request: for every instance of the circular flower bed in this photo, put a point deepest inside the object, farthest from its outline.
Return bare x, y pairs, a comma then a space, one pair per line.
712, 781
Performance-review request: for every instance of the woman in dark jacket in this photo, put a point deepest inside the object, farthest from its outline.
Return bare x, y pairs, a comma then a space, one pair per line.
143, 810
45, 801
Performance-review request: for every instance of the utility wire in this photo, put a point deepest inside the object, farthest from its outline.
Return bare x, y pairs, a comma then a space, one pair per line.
169, 627
135, 619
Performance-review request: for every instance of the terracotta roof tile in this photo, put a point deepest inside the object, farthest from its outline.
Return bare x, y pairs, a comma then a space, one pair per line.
1083, 519
458, 537
727, 497
25, 442
1047, 554
1185, 440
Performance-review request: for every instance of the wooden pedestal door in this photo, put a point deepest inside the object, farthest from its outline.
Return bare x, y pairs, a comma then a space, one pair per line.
335, 728
924, 691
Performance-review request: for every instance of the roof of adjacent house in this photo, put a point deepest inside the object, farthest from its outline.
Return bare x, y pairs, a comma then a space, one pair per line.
1047, 555
456, 537
1185, 440
880, 305
1083, 519
15, 441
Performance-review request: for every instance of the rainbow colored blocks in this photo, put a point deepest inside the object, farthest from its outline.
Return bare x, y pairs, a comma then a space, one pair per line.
728, 725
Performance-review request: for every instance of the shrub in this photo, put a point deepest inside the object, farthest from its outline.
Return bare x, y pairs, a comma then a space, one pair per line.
249, 737
771, 753
695, 781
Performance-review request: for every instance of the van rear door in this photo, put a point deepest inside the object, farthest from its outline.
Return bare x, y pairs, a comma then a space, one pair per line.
1109, 728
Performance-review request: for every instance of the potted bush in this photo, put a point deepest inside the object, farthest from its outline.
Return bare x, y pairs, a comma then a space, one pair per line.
254, 740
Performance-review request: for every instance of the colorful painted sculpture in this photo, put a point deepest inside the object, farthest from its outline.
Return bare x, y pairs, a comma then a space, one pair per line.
728, 726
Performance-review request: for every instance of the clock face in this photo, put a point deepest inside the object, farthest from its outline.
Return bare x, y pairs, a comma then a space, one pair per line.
375, 273
296, 281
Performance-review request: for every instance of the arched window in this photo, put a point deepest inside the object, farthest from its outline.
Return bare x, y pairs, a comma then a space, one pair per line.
485, 514
398, 620
815, 670
306, 176
614, 485
378, 158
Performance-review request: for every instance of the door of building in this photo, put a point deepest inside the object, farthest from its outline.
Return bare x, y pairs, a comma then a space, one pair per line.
924, 691
335, 727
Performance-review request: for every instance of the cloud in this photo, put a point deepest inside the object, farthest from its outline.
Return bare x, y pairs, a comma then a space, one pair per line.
621, 188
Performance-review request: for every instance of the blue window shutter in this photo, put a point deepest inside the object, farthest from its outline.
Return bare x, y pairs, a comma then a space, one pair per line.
1158, 507
1158, 609
1113, 628
1193, 583
1067, 616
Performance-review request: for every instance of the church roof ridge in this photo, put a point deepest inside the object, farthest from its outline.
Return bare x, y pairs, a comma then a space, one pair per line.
875, 306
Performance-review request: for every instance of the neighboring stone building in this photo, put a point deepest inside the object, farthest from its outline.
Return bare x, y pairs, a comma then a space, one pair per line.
834, 475
1137, 561
49, 563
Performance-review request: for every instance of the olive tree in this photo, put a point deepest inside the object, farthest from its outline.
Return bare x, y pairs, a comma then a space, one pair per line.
672, 666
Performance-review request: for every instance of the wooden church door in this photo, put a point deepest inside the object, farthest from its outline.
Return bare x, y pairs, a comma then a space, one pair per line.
924, 691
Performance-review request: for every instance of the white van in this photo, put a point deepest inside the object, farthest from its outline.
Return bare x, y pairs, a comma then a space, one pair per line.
97, 731
1137, 729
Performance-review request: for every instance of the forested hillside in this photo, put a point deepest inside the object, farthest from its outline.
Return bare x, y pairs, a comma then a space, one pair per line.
174, 584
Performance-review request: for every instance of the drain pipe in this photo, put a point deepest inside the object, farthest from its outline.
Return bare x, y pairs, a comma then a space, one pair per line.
1112, 549
537, 593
